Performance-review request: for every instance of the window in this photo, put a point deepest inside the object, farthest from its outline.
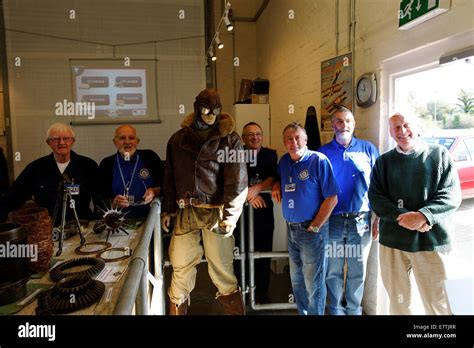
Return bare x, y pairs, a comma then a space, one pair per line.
412, 62
446, 142
441, 97
461, 153
470, 145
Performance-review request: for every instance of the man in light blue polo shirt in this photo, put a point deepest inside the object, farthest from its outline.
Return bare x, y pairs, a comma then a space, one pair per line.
308, 193
352, 160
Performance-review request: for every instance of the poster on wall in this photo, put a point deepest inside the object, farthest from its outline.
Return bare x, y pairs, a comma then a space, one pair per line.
108, 91
336, 87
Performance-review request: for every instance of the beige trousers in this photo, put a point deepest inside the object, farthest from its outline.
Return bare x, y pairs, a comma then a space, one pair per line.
430, 273
186, 251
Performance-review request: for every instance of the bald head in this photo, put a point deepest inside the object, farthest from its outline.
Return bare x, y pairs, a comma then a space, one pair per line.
126, 140
404, 130
125, 127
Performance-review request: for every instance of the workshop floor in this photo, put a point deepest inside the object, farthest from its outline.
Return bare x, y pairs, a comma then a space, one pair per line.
203, 300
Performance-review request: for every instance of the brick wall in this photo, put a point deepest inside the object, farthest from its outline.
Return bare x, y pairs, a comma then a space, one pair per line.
44, 76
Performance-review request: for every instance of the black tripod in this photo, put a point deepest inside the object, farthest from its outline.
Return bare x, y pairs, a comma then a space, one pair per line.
67, 189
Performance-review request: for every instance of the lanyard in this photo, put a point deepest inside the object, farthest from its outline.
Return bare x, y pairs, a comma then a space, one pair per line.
127, 187
292, 167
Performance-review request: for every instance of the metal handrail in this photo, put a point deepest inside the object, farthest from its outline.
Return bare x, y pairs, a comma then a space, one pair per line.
252, 255
135, 286
159, 282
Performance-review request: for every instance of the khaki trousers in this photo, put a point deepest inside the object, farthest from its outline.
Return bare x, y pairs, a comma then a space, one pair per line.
186, 251
430, 273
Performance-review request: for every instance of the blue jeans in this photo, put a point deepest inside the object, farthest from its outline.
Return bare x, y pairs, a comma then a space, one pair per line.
308, 266
349, 239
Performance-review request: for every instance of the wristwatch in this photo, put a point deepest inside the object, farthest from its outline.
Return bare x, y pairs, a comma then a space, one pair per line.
314, 229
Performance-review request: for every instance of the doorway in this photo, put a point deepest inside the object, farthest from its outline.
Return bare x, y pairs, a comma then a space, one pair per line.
442, 97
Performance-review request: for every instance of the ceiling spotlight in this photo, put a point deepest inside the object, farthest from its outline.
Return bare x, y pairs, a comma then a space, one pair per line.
211, 54
228, 23
219, 43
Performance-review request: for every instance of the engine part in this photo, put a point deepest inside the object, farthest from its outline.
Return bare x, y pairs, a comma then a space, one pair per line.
95, 267
14, 272
71, 294
105, 245
127, 252
113, 221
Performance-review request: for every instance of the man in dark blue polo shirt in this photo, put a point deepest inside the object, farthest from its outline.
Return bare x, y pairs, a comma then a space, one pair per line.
131, 178
352, 160
308, 193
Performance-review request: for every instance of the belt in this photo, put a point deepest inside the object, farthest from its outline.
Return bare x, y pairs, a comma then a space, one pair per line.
182, 202
352, 215
303, 224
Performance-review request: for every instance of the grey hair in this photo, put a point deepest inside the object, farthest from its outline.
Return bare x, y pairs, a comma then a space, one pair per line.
340, 109
59, 127
295, 126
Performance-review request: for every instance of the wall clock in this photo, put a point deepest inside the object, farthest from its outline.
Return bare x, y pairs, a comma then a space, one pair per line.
366, 90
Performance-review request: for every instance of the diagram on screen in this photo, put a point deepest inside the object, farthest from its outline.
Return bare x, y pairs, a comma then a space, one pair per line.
115, 92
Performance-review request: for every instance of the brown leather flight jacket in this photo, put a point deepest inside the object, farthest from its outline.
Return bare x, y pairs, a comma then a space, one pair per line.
195, 169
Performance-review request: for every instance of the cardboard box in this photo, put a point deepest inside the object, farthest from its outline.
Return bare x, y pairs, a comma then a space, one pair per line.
259, 98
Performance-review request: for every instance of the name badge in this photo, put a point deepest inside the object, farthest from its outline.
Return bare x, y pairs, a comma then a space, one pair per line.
130, 198
72, 189
290, 187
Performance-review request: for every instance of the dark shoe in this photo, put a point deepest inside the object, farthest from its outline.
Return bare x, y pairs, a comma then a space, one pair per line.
232, 303
176, 309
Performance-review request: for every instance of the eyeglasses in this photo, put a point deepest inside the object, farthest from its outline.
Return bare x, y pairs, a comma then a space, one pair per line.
58, 139
206, 111
250, 135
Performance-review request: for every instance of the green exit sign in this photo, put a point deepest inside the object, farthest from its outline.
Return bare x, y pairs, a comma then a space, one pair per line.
414, 12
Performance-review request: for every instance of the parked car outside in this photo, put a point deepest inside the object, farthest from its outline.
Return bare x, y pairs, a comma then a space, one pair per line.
460, 143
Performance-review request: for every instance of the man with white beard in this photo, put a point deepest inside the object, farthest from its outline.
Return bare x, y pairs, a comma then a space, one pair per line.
352, 160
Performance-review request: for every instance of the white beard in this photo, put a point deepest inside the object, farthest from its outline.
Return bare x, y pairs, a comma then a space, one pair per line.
344, 136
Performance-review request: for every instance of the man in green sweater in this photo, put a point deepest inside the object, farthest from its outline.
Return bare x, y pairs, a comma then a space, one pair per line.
414, 189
